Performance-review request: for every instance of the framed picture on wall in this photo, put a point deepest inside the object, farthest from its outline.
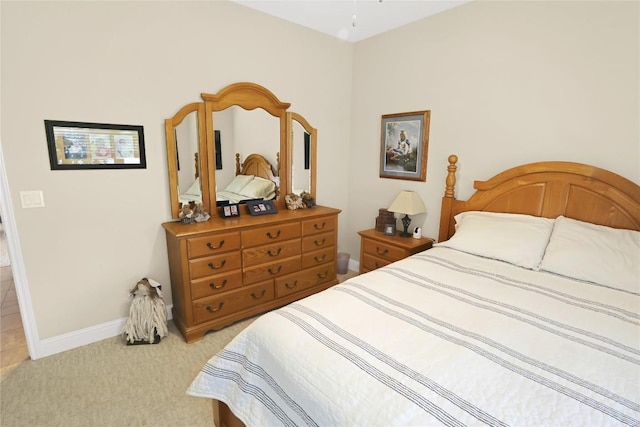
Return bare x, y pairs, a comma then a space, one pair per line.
404, 144
78, 145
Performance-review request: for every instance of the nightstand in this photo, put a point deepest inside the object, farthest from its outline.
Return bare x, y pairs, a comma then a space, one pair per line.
377, 249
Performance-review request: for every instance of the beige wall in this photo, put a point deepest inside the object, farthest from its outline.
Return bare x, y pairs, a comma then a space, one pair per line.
507, 83
138, 63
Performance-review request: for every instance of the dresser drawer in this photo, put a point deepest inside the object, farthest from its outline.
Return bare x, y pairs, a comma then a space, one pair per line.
229, 303
271, 270
383, 250
318, 225
270, 234
216, 264
304, 279
215, 284
269, 253
212, 244
315, 258
370, 262
319, 241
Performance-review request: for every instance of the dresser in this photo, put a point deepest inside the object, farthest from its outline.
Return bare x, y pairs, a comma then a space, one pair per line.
377, 249
225, 270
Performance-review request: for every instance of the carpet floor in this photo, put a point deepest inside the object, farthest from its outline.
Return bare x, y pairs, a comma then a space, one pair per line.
109, 383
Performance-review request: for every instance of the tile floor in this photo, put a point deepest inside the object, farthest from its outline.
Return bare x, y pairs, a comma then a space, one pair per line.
13, 346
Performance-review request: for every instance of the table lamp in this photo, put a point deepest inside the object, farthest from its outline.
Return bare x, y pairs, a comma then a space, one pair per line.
408, 203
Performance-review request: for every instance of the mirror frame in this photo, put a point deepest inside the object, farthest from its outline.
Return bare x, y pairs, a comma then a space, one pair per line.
291, 116
248, 96
172, 154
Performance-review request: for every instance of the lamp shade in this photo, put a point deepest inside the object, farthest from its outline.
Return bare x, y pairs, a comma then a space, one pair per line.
407, 202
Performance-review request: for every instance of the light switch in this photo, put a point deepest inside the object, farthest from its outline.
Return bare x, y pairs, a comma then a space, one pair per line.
31, 199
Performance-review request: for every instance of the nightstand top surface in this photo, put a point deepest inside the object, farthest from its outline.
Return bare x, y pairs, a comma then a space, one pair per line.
404, 242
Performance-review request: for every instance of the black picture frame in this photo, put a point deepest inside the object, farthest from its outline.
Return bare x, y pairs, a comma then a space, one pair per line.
230, 210
80, 145
261, 207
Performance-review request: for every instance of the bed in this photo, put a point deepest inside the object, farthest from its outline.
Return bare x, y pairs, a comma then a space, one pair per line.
254, 179
526, 312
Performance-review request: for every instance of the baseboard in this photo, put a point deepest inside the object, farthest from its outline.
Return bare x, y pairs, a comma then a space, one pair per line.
82, 337
354, 265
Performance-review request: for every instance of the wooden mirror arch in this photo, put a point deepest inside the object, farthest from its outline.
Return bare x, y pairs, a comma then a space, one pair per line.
200, 119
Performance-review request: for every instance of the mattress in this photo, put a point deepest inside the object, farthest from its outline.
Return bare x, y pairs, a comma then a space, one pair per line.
440, 338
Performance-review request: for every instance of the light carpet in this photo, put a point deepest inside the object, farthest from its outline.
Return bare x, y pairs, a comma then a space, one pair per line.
109, 383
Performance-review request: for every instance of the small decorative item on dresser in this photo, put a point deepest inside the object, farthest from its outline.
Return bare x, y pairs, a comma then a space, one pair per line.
390, 229
384, 217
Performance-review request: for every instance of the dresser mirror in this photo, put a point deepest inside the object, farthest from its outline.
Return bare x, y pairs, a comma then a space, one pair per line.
185, 136
241, 130
238, 133
302, 155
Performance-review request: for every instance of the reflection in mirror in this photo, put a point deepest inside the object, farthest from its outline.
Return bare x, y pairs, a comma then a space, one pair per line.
186, 134
187, 169
245, 132
303, 155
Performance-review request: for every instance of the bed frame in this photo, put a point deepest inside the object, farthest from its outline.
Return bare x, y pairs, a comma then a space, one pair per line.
546, 189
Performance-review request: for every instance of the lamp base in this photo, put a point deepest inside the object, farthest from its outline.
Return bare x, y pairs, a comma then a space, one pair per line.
405, 223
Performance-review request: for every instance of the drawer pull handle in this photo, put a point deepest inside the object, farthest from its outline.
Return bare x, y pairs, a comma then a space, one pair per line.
215, 267
320, 228
271, 236
254, 296
277, 271
376, 263
320, 243
271, 253
291, 286
210, 246
213, 310
384, 252
323, 276
321, 258
214, 286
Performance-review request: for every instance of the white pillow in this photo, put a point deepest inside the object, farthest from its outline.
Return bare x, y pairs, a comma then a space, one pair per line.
513, 238
258, 188
595, 253
195, 190
238, 183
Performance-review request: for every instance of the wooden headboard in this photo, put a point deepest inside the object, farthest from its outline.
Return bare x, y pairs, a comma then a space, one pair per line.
548, 189
258, 165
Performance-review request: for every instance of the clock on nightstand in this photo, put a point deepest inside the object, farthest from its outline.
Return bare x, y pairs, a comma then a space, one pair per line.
378, 249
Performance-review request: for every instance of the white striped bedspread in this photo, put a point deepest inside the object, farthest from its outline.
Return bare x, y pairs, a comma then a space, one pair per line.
439, 338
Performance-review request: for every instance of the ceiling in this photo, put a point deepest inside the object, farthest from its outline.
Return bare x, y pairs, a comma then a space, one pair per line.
335, 17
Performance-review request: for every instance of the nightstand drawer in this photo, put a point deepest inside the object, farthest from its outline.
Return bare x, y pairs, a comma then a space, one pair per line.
383, 250
370, 262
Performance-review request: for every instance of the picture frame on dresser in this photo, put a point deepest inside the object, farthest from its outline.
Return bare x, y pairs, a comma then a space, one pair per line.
404, 143
261, 207
229, 211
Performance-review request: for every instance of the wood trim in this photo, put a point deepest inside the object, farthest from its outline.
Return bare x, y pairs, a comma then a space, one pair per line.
548, 189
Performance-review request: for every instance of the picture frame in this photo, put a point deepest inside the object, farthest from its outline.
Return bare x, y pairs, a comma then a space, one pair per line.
261, 207
230, 210
390, 229
80, 145
404, 144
